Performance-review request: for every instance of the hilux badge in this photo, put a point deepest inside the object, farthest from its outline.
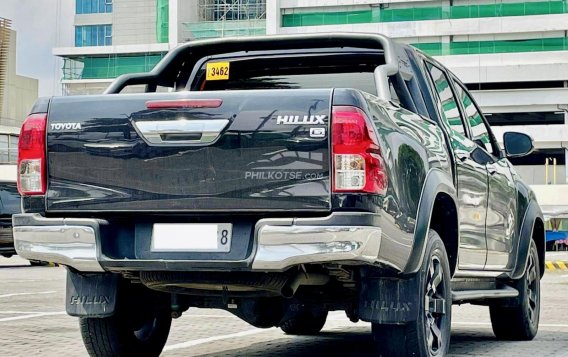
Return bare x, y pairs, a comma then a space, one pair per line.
301, 120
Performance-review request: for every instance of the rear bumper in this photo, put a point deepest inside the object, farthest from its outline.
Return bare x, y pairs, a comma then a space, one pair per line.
71, 242
347, 238
337, 238
6, 236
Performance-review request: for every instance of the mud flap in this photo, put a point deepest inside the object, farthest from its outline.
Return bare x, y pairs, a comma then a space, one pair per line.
91, 295
389, 300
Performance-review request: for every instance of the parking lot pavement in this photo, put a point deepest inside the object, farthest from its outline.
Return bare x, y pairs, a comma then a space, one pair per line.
557, 260
561, 255
33, 322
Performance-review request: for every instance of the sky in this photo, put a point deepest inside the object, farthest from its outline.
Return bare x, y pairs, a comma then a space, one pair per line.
41, 25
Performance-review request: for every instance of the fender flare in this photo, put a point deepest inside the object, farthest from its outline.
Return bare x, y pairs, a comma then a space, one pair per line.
525, 235
437, 181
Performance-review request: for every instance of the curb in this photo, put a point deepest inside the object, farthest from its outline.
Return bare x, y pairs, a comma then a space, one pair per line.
556, 265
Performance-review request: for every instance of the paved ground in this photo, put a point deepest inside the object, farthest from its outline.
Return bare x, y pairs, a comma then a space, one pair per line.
557, 260
32, 322
557, 256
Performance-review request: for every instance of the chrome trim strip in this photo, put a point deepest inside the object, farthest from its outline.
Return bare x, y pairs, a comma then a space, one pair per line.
280, 247
71, 245
505, 292
153, 131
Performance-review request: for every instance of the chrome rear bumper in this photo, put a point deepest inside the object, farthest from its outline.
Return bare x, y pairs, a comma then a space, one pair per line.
70, 242
280, 247
279, 243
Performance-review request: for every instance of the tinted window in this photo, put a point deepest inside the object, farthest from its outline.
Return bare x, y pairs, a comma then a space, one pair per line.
393, 93
479, 131
361, 81
450, 111
295, 72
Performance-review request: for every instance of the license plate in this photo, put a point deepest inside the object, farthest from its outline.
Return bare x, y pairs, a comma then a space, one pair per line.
188, 237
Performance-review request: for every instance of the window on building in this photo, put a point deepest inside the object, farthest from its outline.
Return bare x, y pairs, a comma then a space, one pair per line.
108, 66
93, 6
228, 10
8, 149
93, 35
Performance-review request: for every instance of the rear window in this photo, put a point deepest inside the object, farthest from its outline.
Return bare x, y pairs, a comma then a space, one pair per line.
295, 72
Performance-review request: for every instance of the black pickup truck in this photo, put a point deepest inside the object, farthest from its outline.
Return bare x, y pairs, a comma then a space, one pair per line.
280, 178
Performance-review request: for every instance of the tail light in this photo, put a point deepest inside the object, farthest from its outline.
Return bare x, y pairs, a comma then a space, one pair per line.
357, 163
32, 175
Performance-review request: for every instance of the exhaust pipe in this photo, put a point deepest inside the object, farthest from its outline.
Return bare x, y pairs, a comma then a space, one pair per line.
289, 290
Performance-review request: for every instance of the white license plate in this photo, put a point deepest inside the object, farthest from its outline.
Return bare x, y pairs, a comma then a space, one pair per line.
192, 237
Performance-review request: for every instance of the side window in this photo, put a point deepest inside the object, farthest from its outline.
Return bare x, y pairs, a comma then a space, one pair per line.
450, 110
393, 93
479, 131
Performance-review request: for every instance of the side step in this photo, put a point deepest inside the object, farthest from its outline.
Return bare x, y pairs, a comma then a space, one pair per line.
467, 295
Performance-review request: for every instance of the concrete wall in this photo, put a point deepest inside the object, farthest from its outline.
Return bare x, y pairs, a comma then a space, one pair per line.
85, 87
134, 22
187, 12
20, 92
93, 19
535, 175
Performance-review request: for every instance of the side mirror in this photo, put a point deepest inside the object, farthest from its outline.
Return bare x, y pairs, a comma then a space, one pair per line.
517, 144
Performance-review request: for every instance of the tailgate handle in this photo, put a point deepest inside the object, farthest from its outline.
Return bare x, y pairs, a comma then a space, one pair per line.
165, 132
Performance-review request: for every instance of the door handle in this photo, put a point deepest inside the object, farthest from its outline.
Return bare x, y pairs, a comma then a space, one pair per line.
462, 157
492, 171
180, 132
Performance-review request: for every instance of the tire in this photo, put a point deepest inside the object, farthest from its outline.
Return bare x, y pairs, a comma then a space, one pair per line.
519, 322
305, 323
430, 334
117, 335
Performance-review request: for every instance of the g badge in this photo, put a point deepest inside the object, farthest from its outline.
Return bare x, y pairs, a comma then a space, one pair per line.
317, 132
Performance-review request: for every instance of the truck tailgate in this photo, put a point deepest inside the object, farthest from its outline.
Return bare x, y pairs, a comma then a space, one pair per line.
190, 151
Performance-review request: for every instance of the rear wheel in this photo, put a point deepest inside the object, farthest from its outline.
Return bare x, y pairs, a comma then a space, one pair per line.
125, 334
429, 335
520, 321
305, 323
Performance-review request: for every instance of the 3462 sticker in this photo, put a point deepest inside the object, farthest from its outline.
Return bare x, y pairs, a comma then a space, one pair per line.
217, 71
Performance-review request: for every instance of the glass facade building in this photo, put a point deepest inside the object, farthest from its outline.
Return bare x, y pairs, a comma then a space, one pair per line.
93, 35
227, 18
93, 6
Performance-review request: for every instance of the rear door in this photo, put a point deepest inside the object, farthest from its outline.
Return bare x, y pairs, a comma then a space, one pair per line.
190, 151
502, 203
471, 176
